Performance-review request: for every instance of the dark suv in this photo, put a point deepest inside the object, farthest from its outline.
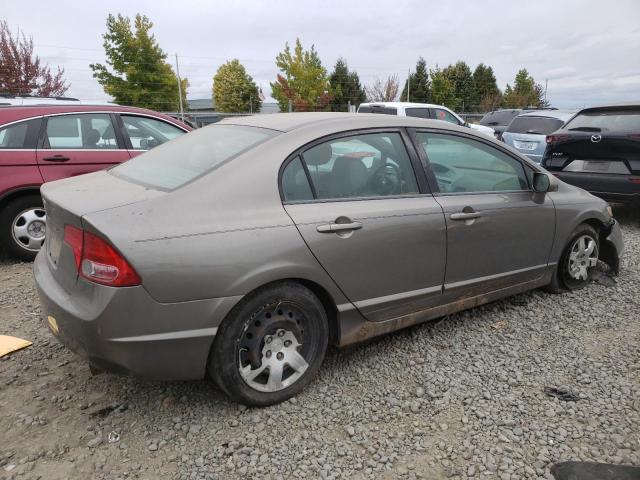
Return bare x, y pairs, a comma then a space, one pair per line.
41, 143
599, 151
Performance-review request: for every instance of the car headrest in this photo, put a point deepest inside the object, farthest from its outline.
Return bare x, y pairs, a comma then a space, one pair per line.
318, 155
93, 137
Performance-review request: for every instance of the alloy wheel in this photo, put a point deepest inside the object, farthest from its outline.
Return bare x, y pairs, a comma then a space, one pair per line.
582, 256
29, 228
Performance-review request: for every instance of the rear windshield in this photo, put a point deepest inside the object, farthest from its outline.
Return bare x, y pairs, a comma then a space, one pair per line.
503, 117
534, 125
373, 109
175, 163
606, 120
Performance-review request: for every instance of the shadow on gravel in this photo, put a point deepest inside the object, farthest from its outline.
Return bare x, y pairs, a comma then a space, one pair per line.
594, 471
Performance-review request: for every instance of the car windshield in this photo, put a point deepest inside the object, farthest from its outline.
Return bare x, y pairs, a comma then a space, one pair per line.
606, 120
534, 125
177, 162
502, 117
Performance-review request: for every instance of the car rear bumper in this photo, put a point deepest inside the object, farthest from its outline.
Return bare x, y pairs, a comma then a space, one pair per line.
124, 330
610, 187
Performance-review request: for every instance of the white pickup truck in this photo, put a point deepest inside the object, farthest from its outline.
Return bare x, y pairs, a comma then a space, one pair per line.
422, 110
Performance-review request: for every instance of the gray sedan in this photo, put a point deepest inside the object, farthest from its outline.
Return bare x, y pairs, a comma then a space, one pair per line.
243, 249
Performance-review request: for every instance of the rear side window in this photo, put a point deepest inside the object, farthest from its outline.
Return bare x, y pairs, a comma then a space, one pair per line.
502, 117
534, 125
19, 135
606, 120
376, 109
295, 185
87, 131
175, 163
146, 133
368, 165
417, 112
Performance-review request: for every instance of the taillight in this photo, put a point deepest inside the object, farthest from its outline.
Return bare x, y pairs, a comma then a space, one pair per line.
97, 261
555, 138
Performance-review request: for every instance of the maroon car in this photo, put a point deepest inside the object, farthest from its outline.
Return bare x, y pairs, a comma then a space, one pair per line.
42, 143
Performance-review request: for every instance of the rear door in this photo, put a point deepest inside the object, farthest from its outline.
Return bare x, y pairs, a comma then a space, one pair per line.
357, 203
499, 232
74, 144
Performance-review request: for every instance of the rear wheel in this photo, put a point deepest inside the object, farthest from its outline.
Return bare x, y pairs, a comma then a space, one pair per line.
271, 345
579, 258
23, 227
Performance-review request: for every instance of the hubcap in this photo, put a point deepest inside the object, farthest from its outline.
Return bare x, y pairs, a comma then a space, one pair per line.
29, 228
271, 356
583, 255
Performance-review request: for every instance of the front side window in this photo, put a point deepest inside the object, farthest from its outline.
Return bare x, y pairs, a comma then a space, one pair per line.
146, 133
367, 165
85, 131
16, 136
463, 165
175, 163
417, 112
446, 116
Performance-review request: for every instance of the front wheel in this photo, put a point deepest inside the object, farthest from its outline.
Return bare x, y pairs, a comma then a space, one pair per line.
271, 345
23, 227
579, 258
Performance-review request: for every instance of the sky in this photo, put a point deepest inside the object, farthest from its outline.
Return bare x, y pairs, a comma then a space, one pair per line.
587, 52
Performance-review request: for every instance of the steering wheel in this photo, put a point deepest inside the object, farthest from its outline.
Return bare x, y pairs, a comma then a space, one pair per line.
386, 180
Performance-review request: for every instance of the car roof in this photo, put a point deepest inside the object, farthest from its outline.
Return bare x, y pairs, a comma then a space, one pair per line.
287, 122
613, 106
22, 112
402, 104
560, 114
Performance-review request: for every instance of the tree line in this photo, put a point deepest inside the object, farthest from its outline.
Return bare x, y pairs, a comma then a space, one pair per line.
137, 73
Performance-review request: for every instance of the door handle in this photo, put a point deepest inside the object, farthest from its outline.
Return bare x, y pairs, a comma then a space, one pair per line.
464, 215
339, 227
57, 158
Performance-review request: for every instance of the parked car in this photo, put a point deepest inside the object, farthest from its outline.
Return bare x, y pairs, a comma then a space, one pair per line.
47, 142
527, 132
599, 150
243, 249
499, 120
422, 110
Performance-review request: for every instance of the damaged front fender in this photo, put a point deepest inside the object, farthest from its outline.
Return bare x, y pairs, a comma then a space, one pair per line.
612, 246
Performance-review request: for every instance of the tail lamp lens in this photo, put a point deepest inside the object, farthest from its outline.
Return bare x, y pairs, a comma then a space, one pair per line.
97, 261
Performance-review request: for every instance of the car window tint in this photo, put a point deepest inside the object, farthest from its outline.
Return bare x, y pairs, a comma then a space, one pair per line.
175, 163
14, 136
295, 185
146, 133
441, 114
417, 112
534, 125
502, 117
368, 165
378, 109
84, 131
607, 120
462, 165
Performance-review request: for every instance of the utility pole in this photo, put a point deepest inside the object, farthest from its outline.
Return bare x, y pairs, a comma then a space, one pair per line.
409, 85
545, 91
179, 89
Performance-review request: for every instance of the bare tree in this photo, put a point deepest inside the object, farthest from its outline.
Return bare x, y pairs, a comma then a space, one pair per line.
386, 91
22, 72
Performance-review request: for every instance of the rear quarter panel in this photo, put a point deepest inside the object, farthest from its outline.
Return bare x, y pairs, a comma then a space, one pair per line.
18, 170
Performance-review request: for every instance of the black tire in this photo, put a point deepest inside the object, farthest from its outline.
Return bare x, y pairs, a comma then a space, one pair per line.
257, 321
562, 280
8, 214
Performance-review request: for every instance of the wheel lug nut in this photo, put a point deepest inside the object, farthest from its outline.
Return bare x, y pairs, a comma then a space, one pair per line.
281, 333
268, 340
287, 343
280, 356
268, 354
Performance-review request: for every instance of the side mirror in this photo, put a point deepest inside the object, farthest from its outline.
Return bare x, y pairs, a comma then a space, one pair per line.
541, 182
466, 124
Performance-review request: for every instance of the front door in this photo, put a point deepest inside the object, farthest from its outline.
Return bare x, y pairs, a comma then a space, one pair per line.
499, 232
77, 144
364, 218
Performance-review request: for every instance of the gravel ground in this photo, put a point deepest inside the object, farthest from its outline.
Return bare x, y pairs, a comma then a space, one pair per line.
462, 397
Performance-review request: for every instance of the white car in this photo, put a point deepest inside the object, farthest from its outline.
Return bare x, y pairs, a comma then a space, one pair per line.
422, 110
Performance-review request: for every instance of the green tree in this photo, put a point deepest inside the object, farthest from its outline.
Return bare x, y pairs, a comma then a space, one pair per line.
344, 87
303, 80
234, 90
487, 95
419, 85
461, 78
524, 93
140, 75
442, 89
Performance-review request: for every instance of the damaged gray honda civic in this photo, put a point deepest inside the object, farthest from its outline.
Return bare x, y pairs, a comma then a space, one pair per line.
244, 249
